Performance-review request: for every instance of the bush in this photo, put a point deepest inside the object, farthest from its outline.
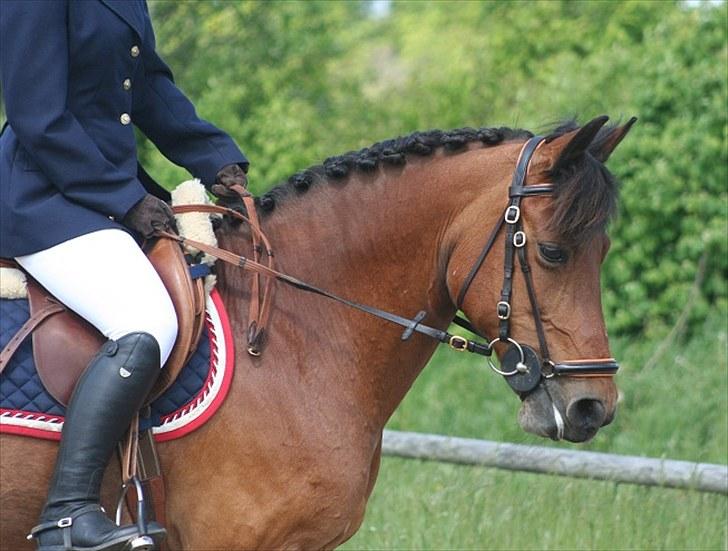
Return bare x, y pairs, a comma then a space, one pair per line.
298, 82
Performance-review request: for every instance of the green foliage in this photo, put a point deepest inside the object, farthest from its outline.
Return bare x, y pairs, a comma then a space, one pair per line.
295, 82
258, 70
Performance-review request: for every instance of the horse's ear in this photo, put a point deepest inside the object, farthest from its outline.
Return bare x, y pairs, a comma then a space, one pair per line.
558, 153
602, 148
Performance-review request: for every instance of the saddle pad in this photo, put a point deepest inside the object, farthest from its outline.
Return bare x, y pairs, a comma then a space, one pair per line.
27, 409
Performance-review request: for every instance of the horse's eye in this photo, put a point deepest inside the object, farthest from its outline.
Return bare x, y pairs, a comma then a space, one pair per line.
552, 253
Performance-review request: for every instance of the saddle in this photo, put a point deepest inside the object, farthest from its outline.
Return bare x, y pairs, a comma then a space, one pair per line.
64, 343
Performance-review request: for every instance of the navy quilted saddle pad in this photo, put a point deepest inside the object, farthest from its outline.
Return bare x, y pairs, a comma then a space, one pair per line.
26, 408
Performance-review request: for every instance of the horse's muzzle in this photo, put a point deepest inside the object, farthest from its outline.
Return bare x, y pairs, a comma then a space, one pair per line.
579, 421
584, 417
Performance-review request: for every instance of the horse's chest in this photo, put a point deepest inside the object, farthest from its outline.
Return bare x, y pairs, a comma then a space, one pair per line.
303, 498
325, 508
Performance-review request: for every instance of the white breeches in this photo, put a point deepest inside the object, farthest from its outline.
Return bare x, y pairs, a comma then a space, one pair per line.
105, 278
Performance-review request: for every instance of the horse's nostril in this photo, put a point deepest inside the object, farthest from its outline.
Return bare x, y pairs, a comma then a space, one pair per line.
586, 413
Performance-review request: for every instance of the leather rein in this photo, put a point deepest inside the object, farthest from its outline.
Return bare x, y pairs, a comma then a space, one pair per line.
521, 365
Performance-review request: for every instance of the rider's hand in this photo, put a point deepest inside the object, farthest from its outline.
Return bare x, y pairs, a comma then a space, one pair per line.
149, 216
229, 176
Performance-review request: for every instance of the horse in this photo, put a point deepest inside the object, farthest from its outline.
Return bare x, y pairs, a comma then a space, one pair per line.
291, 457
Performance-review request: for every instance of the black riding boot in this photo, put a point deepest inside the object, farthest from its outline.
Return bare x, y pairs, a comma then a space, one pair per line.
108, 394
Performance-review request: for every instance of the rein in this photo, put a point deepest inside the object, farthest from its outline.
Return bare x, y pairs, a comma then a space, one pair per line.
411, 325
522, 367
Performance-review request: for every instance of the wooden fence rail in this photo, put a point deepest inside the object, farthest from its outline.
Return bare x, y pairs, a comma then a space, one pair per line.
705, 477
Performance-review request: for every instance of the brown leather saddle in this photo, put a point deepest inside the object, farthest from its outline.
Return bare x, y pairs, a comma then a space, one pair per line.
64, 343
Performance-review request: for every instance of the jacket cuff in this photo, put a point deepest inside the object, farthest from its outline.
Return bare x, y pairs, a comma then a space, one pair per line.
208, 174
126, 203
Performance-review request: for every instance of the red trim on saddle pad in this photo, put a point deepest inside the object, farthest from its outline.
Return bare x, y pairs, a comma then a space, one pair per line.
177, 424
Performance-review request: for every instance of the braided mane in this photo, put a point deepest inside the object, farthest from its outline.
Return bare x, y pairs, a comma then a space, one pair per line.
585, 195
392, 152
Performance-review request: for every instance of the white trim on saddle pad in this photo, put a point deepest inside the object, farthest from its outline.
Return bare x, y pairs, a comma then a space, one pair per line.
177, 423
194, 225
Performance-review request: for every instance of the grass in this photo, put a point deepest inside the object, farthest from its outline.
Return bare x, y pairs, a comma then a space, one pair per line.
678, 410
423, 505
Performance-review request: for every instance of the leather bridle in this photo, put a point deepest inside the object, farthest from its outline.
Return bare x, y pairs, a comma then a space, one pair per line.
521, 365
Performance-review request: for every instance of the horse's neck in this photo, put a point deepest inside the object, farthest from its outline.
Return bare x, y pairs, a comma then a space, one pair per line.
381, 240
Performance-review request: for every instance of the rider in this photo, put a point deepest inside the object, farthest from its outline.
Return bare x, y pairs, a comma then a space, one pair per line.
75, 76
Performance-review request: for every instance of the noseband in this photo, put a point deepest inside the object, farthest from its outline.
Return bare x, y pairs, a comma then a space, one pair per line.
521, 365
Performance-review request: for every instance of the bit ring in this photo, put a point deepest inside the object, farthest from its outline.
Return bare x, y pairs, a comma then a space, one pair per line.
515, 370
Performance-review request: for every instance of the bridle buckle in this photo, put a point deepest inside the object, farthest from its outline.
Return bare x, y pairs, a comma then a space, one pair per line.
513, 213
503, 310
519, 239
458, 343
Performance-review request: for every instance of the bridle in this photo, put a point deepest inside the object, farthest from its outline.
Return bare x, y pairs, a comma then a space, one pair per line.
521, 365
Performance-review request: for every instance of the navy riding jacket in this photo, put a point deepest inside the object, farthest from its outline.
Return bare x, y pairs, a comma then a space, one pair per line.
76, 77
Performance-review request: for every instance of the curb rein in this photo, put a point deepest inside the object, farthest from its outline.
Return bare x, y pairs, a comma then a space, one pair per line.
521, 365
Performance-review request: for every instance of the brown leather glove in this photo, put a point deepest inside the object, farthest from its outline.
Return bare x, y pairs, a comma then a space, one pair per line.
228, 177
149, 216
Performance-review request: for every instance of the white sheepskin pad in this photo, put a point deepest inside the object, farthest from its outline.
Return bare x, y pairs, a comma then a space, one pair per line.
194, 225
12, 283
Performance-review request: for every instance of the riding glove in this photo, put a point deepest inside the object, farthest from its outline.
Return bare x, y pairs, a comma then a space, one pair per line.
229, 176
150, 216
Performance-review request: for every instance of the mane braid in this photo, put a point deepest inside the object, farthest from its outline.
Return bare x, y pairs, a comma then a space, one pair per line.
585, 193
394, 152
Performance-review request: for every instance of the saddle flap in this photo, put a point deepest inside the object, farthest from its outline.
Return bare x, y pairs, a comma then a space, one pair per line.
189, 304
65, 343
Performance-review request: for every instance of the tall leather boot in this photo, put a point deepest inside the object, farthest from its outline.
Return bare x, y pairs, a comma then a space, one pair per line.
108, 394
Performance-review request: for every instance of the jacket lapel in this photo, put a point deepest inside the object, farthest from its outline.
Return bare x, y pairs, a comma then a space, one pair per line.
131, 11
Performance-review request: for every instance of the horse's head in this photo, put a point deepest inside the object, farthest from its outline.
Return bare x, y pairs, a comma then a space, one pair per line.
546, 314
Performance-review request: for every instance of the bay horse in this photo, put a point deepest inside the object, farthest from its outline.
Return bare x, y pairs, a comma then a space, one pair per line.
290, 459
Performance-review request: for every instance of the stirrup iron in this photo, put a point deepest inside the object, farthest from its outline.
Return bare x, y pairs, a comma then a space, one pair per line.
141, 543
141, 508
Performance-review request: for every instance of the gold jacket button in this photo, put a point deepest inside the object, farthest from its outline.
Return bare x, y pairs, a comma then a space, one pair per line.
126, 84
125, 119
135, 51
